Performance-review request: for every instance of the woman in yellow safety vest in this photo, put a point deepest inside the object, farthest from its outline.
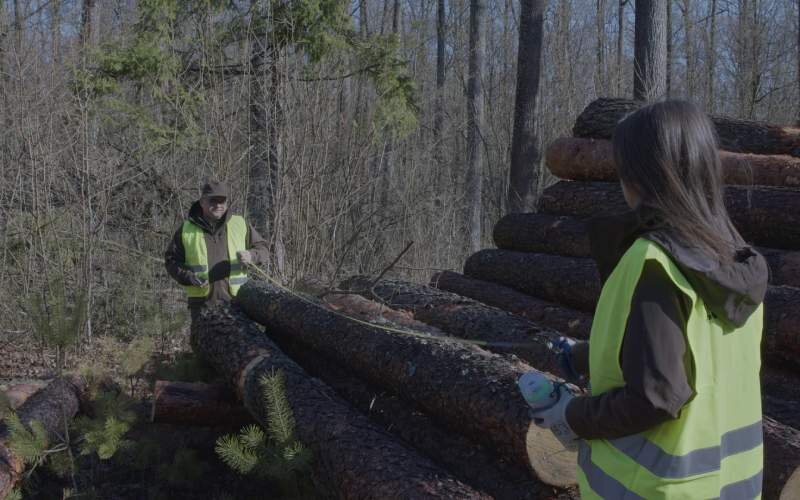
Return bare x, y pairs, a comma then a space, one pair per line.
673, 359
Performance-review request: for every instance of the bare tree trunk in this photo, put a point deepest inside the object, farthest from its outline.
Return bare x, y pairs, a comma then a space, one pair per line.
438, 117
600, 73
86, 22
711, 57
363, 19
18, 25
264, 174
475, 149
620, 34
688, 48
55, 31
669, 48
650, 50
525, 152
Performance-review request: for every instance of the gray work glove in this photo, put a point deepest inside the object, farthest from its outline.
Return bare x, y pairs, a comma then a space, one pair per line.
245, 256
195, 280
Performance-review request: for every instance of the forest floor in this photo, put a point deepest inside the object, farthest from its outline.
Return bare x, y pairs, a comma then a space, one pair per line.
163, 461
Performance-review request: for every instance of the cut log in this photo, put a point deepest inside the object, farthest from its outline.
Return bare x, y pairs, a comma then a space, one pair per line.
766, 216
462, 386
352, 455
575, 282
17, 394
570, 281
501, 331
465, 459
364, 309
601, 116
548, 314
581, 159
781, 461
568, 236
195, 403
59, 400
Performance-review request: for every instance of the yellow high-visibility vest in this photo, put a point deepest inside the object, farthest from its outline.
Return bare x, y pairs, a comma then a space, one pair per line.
715, 448
196, 254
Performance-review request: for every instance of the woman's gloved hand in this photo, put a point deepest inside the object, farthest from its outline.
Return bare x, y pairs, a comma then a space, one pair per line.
548, 402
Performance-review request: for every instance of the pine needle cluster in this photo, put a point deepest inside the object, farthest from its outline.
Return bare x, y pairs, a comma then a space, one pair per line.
275, 454
29, 443
104, 433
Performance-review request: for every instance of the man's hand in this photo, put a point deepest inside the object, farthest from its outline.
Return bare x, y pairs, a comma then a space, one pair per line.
548, 404
244, 256
196, 280
563, 347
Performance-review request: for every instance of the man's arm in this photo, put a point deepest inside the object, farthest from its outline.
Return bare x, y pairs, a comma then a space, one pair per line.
256, 245
174, 258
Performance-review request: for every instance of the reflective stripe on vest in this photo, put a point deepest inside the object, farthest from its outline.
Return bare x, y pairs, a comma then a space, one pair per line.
714, 449
196, 254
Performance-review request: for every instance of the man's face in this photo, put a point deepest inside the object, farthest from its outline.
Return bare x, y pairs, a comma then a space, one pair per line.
214, 208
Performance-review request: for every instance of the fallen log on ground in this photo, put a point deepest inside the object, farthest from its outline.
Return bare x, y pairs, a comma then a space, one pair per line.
462, 386
581, 159
59, 400
196, 403
781, 461
575, 282
464, 318
351, 454
569, 236
17, 394
548, 314
743, 136
765, 216
465, 459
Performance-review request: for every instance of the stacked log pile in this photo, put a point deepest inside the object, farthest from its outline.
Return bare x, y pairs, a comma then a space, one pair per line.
542, 270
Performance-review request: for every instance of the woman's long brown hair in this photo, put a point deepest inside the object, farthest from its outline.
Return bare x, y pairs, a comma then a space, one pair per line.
668, 152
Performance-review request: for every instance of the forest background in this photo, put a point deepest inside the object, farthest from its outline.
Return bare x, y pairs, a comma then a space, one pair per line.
342, 127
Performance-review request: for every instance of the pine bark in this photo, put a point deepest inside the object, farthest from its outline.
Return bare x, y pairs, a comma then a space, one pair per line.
464, 318
525, 152
195, 403
569, 236
764, 216
465, 388
547, 314
575, 282
353, 456
650, 50
781, 460
50, 406
17, 394
472, 463
593, 159
600, 117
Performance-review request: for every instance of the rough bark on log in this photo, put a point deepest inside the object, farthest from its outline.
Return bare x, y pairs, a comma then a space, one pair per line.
196, 403
601, 116
364, 309
570, 281
465, 459
575, 282
781, 460
60, 400
350, 453
461, 317
569, 236
548, 314
766, 216
581, 159
462, 386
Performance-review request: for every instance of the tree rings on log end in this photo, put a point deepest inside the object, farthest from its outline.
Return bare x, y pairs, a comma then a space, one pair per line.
550, 461
791, 490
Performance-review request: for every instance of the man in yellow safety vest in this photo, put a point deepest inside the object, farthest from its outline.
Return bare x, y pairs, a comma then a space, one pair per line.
209, 251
